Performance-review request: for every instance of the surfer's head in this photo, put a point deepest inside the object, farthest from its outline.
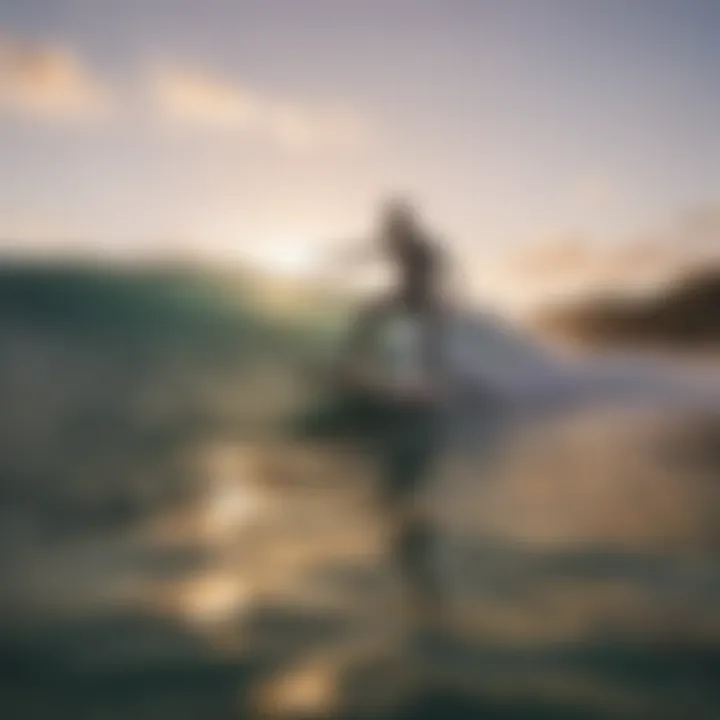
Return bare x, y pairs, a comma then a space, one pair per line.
400, 227
416, 258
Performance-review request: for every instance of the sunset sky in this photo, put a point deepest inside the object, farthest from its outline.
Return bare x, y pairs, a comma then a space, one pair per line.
575, 136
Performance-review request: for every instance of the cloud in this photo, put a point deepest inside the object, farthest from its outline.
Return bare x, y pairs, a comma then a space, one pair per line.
51, 82
576, 263
551, 259
48, 82
566, 268
195, 99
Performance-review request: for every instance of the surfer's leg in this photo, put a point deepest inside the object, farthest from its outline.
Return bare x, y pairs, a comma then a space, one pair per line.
408, 466
414, 542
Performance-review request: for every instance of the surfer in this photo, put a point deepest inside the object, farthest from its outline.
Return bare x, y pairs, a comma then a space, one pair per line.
393, 366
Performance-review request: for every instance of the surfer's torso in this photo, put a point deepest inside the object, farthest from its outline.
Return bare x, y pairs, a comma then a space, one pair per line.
399, 345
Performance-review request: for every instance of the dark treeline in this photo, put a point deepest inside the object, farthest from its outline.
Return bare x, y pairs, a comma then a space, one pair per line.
684, 316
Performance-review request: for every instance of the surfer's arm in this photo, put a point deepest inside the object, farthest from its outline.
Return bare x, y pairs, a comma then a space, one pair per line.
356, 369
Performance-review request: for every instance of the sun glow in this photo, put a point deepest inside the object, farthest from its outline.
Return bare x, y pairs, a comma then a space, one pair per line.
287, 257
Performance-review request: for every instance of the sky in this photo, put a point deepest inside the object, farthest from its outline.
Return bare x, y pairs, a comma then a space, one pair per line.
541, 139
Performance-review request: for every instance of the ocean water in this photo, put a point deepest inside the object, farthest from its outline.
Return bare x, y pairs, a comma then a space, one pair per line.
166, 554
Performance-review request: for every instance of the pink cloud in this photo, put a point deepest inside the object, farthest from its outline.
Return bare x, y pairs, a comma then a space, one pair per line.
48, 82
189, 98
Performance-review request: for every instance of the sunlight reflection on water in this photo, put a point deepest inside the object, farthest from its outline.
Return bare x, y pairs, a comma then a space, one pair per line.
537, 555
